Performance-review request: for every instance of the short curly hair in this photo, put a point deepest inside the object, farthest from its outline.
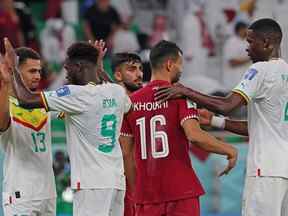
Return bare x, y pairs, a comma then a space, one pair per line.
82, 51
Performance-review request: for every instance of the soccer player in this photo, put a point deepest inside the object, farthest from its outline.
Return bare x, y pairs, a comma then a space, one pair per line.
128, 72
25, 136
264, 89
166, 183
93, 118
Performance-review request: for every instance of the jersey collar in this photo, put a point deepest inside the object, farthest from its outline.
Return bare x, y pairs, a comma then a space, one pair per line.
159, 82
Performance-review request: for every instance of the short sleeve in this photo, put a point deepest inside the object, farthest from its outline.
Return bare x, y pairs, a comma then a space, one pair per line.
251, 85
126, 128
187, 110
68, 99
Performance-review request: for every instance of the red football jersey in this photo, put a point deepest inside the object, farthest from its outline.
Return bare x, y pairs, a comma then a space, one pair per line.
163, 167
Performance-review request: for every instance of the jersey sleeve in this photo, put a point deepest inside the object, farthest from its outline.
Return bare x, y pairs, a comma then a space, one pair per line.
126, 128
187, 110
67, 99
127, 103
251, 86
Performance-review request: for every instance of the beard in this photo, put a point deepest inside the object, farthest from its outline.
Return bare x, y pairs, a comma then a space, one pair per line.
131, 87
176, 78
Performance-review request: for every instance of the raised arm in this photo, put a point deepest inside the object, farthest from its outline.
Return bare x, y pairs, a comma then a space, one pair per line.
209, 143
222, 105
5, 82
26, 98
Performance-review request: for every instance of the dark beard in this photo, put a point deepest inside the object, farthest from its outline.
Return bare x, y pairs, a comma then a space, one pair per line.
131, 87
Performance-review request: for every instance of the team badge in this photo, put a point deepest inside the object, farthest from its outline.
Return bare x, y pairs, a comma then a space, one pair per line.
251, 73
63, 91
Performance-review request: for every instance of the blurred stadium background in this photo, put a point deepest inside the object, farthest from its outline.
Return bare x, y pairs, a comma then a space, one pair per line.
210, 32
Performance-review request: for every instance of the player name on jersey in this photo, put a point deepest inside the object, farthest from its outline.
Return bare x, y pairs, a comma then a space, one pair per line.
149, 106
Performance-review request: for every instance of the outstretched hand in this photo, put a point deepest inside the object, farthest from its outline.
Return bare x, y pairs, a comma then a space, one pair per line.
170, 92
100, 45
232, 159
8, 62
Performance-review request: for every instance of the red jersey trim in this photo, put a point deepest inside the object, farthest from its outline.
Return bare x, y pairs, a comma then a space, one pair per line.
26, 124
189, 117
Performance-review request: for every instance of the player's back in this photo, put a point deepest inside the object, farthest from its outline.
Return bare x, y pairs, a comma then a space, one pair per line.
93, 146
164, 170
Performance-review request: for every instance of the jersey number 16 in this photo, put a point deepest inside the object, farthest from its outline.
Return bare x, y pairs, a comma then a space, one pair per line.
154, 134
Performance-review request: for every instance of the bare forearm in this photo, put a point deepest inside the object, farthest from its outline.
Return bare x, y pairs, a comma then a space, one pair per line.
238, 127
130, 170
26, 98
222, 105
211, 144
4, 107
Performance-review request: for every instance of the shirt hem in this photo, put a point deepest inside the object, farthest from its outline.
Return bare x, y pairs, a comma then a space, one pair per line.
171, 199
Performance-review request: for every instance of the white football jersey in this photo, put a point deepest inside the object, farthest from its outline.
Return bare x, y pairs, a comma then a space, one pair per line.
28, 173
265, 87
93, 118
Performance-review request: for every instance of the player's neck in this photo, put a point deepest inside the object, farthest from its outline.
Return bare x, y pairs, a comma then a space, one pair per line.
275, 54
160, 76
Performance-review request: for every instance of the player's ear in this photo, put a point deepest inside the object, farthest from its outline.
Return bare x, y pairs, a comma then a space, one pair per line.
118, 76
268, 45
169, 64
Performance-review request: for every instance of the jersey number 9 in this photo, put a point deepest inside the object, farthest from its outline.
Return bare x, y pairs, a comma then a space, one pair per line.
108, 130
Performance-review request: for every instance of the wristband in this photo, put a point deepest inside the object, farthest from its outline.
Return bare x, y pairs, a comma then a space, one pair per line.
218, 122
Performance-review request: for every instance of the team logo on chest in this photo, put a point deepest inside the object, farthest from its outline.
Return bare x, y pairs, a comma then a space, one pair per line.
31, 118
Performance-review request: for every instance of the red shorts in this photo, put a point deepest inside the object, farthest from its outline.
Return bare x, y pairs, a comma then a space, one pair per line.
185, 207
129, 205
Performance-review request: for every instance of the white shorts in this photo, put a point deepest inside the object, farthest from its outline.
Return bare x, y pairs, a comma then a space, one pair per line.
98, 202
45, 207
265, 196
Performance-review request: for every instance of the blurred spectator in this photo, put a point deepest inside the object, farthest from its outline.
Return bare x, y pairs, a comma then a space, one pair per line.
101, 22
124, 9
70, 11
56, 37
27, 25
159, 30
53, 9
10, 24
125, 40
176, 11
236, 60
195, 55
247, 10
